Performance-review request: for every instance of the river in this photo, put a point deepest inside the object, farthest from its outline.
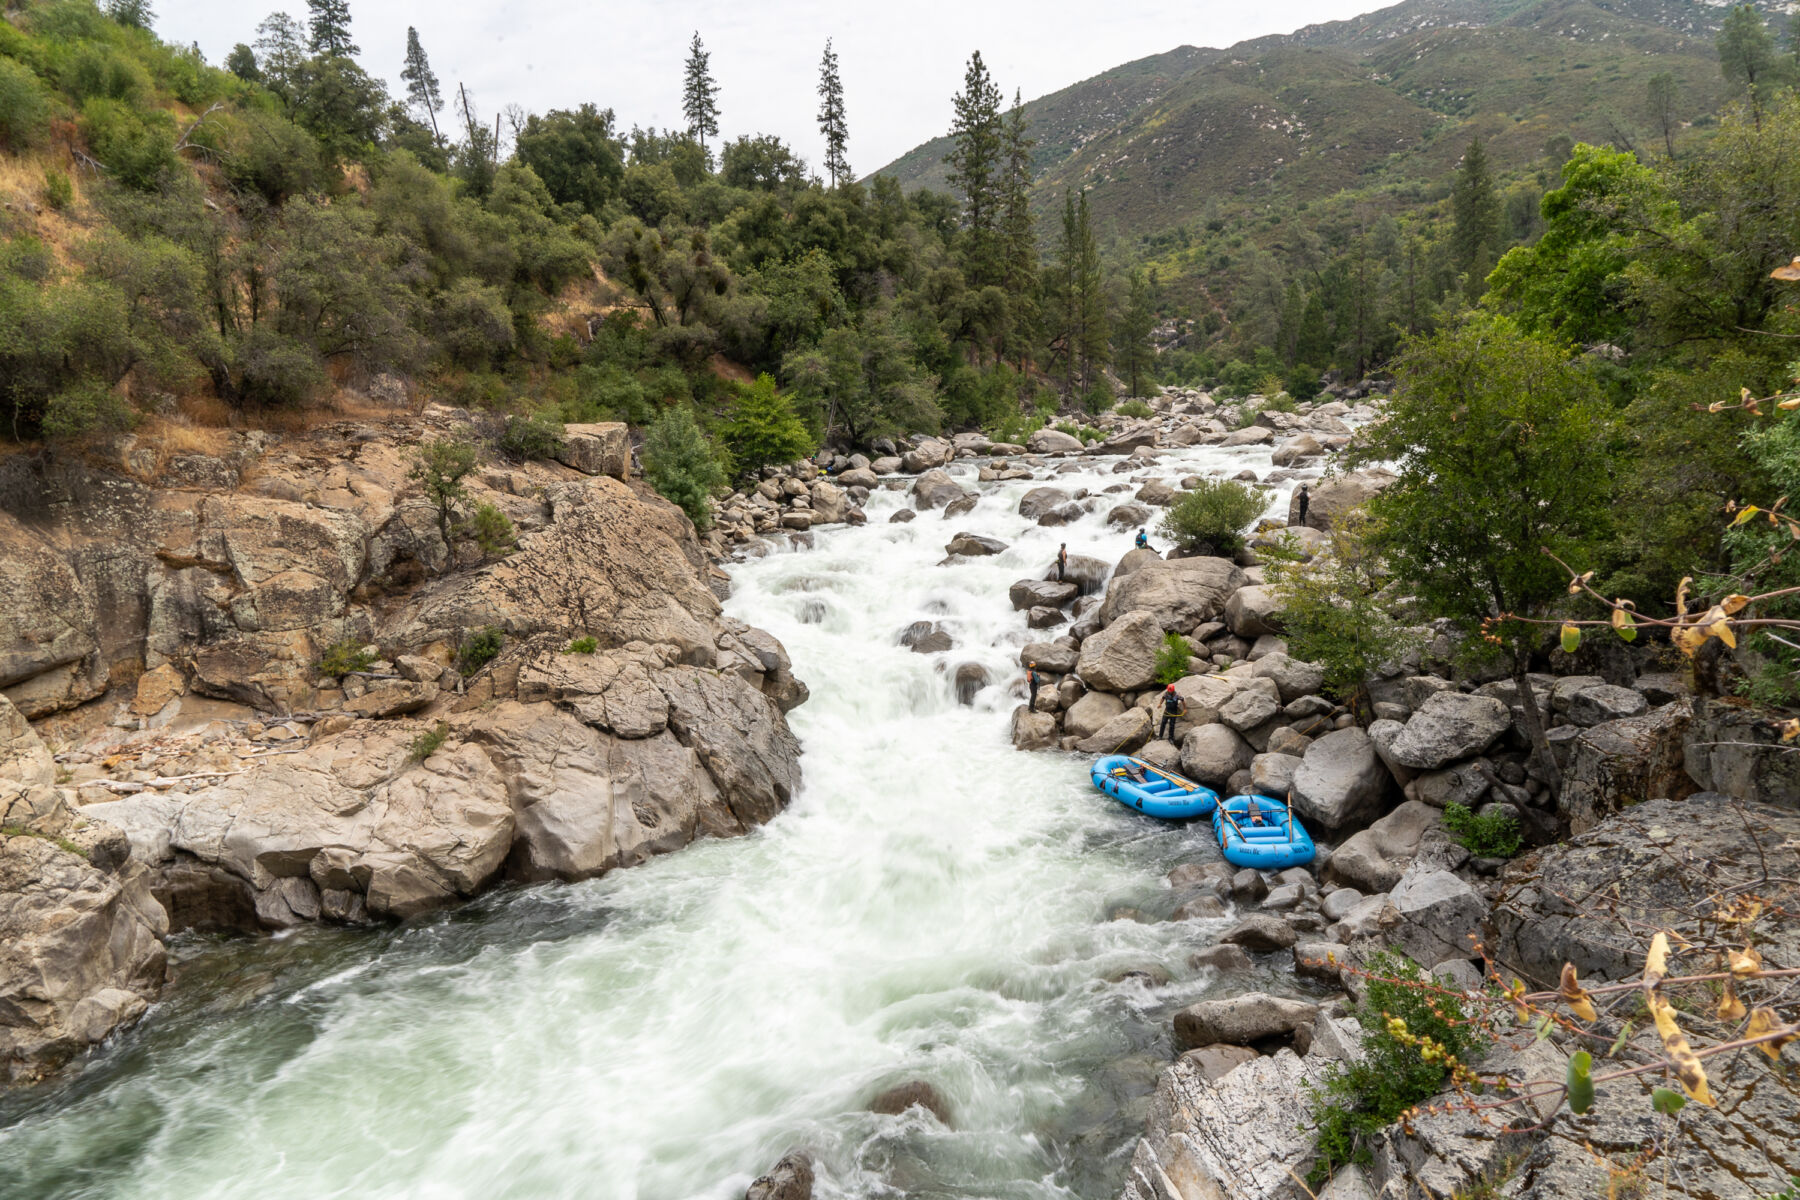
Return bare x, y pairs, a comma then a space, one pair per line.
934, 906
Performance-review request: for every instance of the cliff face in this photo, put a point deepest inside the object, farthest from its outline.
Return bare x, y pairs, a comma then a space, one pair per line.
165, 621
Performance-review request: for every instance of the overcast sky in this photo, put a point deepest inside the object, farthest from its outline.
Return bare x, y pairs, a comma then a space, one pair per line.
901, 62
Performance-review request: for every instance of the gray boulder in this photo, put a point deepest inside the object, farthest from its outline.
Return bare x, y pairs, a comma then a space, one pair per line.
1273, 774
973, 545
1212, 754
1253, 611
1260, 932
1128, 516
1033, 730
1051, 441
1039, 501
1052, 658
1449, 727
1181, 593
1090, 714
1293, 677
1340, 782
1042, 593
1602, 702
1241, 1020
1440, 915
1122, 657
1247, 711
935, 489
1374, 859
1121, 735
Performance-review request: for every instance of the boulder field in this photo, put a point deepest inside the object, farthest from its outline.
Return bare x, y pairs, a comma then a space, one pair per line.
165, 624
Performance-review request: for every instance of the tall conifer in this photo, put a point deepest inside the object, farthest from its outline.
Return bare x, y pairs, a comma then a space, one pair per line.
421, 83
699, 93
329, 27
976, 169
831, 117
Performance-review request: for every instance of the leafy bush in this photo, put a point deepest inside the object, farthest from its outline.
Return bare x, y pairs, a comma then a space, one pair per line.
1213, 517
1085, 433
583, 645
427, 743
137, 146
1099, 396
1302, 382
473, 325
1493, 835
762, 429
59, 192
493, 530
276, 371
1172, 659
1014, 429
440, 467
1409, 1027
24, 111
537, 436
344, 658
1136, 409
479, 649
682, 465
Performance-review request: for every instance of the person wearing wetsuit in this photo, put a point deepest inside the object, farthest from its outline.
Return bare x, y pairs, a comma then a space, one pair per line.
1305, 503
1172, 707
1031, 684
1062, 562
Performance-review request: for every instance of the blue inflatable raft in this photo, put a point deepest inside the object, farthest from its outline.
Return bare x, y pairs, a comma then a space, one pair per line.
1255, 831
1148, 788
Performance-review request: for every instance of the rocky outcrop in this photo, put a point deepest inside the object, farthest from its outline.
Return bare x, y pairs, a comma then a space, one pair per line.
599, 449
1180, 593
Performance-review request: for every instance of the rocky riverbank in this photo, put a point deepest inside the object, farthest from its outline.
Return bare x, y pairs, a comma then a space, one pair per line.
165, 621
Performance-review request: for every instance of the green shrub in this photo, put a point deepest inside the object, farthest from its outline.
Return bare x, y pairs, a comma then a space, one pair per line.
1015, 429
1172, 659
59, 192
427, 743
1213, 516
1302, 382
1136, 409
762, 429
83, 407
537, 436
583, 645
1085, 433
1356, 1100
1494, 835
479, 649
346, 657
493, 530
137, 146
440, 466
98, 72
24, 110
682, 465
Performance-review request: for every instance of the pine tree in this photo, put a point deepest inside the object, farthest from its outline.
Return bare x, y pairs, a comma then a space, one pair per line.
1475, 209
976, 169
421, 84
699, 93
279, 52
1094, 343
329, 25
1747, 55
137, 14
1016, 221
1661, 96
831, 117
1132, 350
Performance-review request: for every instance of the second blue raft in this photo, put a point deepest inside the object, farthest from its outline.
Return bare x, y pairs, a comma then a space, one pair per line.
1147, 788
1259, 832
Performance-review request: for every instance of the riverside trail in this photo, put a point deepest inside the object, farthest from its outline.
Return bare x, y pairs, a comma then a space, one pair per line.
934, 906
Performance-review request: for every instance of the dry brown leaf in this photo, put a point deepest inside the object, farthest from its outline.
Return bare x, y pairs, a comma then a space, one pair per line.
1763, 1021
1580, 1003
1656, 962
1744, 963
1730, 1007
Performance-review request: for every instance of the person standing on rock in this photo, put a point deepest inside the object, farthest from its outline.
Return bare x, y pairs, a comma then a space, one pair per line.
1031, 683
1172, 707
1062, 562
1305, 503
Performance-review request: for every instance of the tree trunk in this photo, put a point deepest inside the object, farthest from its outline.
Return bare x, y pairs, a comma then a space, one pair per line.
1534, 724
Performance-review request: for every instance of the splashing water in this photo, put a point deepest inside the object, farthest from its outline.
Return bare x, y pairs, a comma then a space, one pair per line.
934, 907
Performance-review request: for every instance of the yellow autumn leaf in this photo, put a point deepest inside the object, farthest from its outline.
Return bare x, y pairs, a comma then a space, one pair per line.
1681, 1055
1789, 272
1790, 729
1681, 595
1580, 1003
1744, 963
1744, 514
1656, 962
1736, 602
1763, 1021
1721, 629
1730, 1007
1688, 639
1790, 403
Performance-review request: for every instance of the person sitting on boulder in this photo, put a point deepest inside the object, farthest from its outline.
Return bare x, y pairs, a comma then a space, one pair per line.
1062, 562
1143, 541
1172, 707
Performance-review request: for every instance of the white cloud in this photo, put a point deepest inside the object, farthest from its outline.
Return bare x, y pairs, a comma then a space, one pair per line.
901, 62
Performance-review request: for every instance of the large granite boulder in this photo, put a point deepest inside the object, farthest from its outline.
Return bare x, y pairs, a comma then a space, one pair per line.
24, 758
1617, 763
1375, 858
1180, 593
602, 448
1041, 500
935, 489
1122, 657
1253, 611
49, 634
1329, 499
1450, 727
1441, 915
1212, 754
1090, 713
1124, 734
1241, 1020
1341, 782
1052, 441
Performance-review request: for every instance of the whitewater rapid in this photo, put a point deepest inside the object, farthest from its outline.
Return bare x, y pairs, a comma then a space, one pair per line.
934, 906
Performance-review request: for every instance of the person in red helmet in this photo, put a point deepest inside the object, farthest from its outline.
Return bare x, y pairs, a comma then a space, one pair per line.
1172, 707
